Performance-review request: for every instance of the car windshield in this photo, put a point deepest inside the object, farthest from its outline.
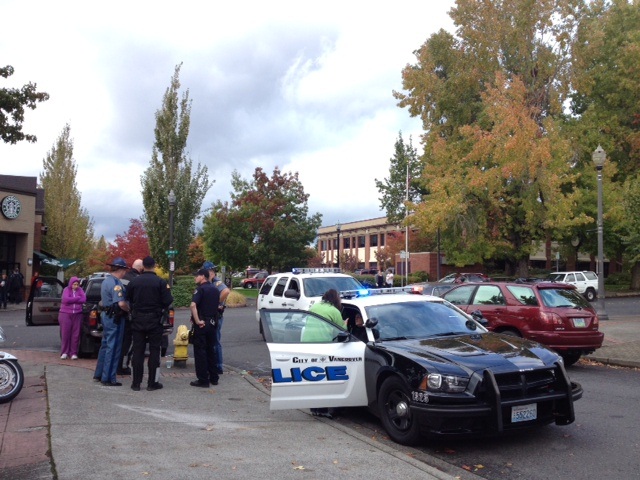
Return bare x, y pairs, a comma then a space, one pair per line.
563, 297
420, 320
316, 286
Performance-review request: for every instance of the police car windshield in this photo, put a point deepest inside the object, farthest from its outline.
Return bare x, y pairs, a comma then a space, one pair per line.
316, 286
420, 320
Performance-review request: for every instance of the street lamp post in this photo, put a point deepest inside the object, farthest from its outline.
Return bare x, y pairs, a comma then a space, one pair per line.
172, 204
599, 156
338, 226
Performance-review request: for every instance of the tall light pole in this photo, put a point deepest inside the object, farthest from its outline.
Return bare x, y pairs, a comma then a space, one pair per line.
338, 226
172, 204
599, 156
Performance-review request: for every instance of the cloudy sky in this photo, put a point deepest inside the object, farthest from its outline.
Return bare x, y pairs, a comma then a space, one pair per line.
304, 86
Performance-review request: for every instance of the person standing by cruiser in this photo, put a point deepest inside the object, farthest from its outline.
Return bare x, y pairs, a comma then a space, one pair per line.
149, 296
70, 319
224, 293
204, 313
127, 339
115, 308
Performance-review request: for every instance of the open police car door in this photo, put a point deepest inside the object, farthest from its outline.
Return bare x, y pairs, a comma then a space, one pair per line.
44, 302
314, 363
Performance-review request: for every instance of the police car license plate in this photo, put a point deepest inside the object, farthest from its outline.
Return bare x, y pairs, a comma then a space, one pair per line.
524, 413
579, 322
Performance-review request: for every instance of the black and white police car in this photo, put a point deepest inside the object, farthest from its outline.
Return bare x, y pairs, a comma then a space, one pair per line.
423, 367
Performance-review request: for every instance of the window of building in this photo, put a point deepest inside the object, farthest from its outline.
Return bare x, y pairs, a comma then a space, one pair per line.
361, 241
346, 242
382, 239
373, 240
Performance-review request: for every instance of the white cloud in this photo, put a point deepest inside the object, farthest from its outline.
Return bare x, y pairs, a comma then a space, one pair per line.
306, 87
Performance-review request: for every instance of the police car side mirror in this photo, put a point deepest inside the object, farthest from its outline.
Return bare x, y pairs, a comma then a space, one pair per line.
342, 337
477, 316
291, 293
371, 323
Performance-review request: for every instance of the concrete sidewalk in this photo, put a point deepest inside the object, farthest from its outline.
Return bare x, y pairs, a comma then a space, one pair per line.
180, 431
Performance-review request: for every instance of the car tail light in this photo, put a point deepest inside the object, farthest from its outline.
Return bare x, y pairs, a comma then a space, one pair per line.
596, 321
171, 317
551, 319
93, 318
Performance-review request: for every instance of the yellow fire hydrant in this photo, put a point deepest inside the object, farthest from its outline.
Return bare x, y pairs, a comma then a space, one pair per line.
181, 347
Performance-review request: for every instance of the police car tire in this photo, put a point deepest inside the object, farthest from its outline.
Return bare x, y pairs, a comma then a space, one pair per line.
393, 398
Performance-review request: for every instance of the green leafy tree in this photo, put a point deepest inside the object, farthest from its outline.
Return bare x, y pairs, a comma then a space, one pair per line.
605, 111
172, 170
13, 102
266, 224
497, 170
631, 227
70, 232
403, 182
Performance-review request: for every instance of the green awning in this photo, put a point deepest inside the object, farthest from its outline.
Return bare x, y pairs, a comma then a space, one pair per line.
49, 259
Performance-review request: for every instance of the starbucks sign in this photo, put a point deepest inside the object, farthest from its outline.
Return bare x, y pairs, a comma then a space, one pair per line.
11, 207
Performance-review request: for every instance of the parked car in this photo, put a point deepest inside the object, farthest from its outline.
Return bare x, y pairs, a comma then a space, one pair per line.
429, 288
585, 282
464, 277
423, 367
301, 288
255, 281
368, 271
553, 314
44, 309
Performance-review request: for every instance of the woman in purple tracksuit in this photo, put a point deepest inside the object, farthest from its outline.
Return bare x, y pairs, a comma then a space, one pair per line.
70, 319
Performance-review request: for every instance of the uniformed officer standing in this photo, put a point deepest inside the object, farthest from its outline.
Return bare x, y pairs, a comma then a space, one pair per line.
204, 313
224, 293
123, 366
115, 307
149, 296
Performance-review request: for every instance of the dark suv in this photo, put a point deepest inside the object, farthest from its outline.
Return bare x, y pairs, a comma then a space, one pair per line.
43, 306
553, 314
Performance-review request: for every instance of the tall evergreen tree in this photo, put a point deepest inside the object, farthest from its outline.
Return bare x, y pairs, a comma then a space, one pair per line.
403, 181
171, 169
70, 232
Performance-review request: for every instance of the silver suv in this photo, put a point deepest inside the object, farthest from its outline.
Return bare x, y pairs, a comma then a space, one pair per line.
585, 282
301, 288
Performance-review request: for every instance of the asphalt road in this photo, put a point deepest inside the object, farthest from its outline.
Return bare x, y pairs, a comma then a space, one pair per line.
603, 443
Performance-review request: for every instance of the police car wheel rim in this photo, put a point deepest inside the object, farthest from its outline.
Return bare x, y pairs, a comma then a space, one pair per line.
398, 410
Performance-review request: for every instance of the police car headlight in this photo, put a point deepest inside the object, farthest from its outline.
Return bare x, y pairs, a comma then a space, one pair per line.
446, 383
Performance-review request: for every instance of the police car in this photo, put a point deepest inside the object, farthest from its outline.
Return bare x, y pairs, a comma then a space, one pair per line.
423, 367
300, 288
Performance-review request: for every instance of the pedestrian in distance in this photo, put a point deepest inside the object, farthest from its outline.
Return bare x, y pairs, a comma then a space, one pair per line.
204, 314
70, 318
389, 278
4, 290
16, 282
380, 279
149, 297
114, 309
224, 293
127, 339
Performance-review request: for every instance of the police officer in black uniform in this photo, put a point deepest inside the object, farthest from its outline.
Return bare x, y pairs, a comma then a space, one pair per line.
148, 295
125, 355
204, 315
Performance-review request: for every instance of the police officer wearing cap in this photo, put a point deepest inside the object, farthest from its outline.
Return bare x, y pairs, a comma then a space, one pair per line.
115, 308
149, 296
204, 315
224, 293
